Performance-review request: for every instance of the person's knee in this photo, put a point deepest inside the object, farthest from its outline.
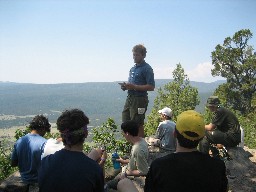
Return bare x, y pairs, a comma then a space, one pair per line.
126, 185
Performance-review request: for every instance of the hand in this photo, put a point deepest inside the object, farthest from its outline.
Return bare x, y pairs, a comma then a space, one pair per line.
104, 155
121, 160
123, 87
130, 86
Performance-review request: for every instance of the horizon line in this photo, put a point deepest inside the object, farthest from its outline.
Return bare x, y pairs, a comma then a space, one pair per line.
11, 82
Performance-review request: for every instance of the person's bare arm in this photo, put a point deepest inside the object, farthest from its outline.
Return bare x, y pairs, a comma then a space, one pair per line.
133, 173
210, 127
103, 159
146, 87
123, 161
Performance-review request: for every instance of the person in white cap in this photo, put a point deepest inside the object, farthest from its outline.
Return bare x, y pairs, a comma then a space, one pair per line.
164, 137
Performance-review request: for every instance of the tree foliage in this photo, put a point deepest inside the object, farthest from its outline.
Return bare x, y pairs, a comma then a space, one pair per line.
248, 123
178, 95
5, 159
109, 137
235, 61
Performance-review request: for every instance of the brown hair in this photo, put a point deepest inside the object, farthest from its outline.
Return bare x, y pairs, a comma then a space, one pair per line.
40, 122
72, 125
140, 48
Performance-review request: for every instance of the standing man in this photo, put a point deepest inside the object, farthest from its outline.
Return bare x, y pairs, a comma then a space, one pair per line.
224, 128
141, 80
187, 169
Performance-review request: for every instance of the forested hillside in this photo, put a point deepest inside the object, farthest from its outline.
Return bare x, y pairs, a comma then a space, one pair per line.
100, 100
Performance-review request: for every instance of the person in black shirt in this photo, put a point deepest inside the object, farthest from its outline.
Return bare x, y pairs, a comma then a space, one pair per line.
187, 169
69, 169
224, 128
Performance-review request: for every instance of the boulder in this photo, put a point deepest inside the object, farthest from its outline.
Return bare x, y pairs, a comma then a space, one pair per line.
243, 170
13, 184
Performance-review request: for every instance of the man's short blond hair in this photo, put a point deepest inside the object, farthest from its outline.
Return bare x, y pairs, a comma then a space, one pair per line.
140, 49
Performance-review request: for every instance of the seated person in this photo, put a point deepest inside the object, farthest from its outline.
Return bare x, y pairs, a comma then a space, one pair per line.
187, 169
51, 146
164, 137
137, 165
69, 169
28, 149
224, 128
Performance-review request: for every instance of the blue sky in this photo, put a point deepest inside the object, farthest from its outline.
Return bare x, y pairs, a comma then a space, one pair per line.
73, 41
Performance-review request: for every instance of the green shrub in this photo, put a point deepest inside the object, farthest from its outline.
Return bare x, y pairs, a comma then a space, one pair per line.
107, 135
5, 159
248, 123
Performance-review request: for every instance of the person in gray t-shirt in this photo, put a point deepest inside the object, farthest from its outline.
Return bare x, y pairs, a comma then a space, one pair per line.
164, 137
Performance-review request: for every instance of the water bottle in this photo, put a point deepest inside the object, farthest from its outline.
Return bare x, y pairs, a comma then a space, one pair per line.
241, 144
116, 164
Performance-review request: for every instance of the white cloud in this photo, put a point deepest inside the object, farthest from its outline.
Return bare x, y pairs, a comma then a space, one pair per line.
201, 73
163, 73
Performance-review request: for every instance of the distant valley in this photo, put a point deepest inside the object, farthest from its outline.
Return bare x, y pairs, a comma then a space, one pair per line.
19, 102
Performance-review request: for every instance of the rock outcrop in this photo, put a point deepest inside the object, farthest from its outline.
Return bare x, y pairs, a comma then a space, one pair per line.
242, 167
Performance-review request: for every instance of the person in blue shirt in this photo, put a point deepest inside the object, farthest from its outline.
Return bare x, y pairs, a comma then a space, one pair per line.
28, 149
141, 80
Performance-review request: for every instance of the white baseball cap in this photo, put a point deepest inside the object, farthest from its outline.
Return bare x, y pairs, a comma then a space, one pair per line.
166, 111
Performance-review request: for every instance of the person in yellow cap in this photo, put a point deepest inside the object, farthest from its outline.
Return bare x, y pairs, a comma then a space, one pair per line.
224, 128
187, 169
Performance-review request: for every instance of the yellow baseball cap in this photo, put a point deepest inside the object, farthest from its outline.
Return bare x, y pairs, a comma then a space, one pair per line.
190, 124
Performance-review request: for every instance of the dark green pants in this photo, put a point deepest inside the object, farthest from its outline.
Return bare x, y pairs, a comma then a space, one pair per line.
135, 108
218, 137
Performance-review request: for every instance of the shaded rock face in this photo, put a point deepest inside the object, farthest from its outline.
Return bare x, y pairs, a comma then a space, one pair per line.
13, 184
242, 166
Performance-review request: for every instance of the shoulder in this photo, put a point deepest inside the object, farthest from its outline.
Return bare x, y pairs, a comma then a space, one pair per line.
222, 110
161, 123
211, 161
141, 146
21, 139
170, 122
159, 162
148, 67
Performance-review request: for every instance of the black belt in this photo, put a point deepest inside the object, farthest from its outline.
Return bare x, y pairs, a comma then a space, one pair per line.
129, 95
